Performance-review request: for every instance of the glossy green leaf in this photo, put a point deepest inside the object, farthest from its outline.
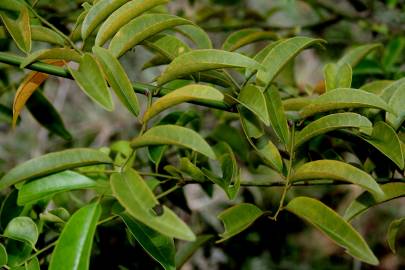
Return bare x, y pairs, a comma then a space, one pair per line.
174, 135
244, 37
122, 16
54, 53
367, 200
167, 45
344, 98
192, 92
387, 142
393, 230
280, 55
336, 228
331, 122
336, 170
158, 246
19, 28
355, 55
44, 34
138, 200
140, 29
73, 249
3, 255
52, 163
238, 218
270, 154
337, 76
277, 116
52, 184
97, 14
9, 208
202, 60
252, 98
45, 113
90, 79
196, 34
22, 229
187, 250
117, 78
57, 215
396, 102
189, 168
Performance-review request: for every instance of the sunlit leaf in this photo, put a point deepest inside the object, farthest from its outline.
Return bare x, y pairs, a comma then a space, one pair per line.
337, 76
195, 34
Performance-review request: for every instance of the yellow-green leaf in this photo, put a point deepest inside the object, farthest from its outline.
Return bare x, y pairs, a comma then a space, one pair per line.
397, 103
252, 98
44, 34
355, 55
167, 45
277, 116
65, 54
337, 76
244, 37
196, 34
393, 230
19, 28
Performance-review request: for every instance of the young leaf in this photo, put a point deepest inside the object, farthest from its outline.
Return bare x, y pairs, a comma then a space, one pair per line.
173, 135
337, 76
192, 92
195, 34
54, 53
19, 28
277, 116
244, 37
329, 123
73, 249
90, 79
122, 16
140, 29
3, 256
336, 170
138, 200
355, 55
344, 98
367, 200
187, 250
393, 231
158, 246
117, 78
336, 228
52, 163
252, 98
202, 60
49, 185
387, 142
396, 102
280, 55
238, 218
22, 229
98, 13
167, 45
46, 115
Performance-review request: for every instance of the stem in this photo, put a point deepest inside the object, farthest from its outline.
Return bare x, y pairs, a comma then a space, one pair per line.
159, 175
40, 251
167, 192
106, 220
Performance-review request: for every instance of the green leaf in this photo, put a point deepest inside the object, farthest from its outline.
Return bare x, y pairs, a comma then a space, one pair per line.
280, 55
22, 229
396, 102
167, 45
9, 208
122, 16
192, 92
138, 200
196, 34
90, 79
158, 246
251, 124
202, 60
270, 154
330, 223
336, 170
392, 52
98, 13
73, 249
252, 98
44, 112
52, 184
329, 123
277, 116
44, 34
52, 163
376, 87
337, 76
344, 98
3, 255
387, 142
367, 200
392, 232
140, 29
174, 135
238, 218
11, 5
117, 78
187, 250
261, 55
355, 55
54, 53
19, 28
296, 104
244, 37
387, 92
